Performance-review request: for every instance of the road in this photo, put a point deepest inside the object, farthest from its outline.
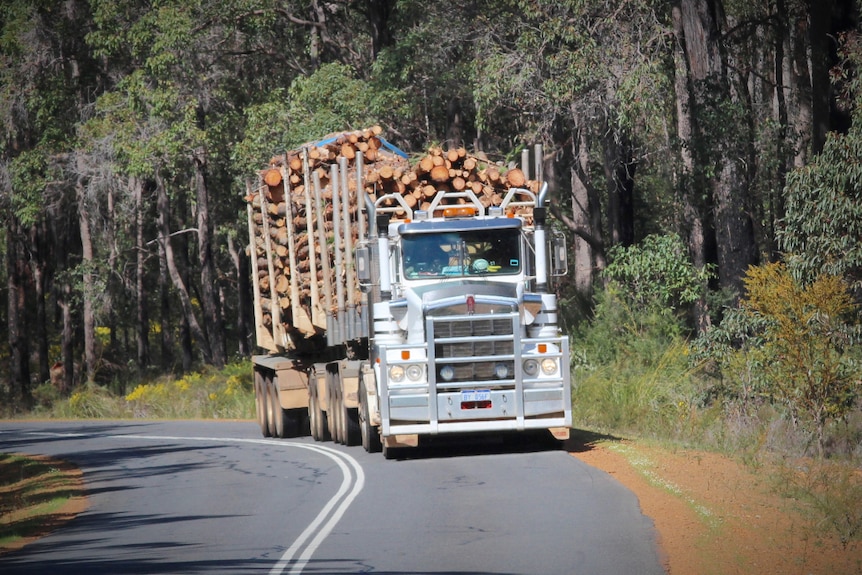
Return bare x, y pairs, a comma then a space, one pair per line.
214, 497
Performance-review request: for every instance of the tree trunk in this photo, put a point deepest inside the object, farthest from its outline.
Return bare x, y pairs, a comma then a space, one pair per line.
164, 235
244, 295
619, 166
692, 217
142, 315
68, 339
820, 40
379, 14
795, 26
720, 148
187, 355
38, 273
209, 278
166, 318
19, 349
582, 216
87, 263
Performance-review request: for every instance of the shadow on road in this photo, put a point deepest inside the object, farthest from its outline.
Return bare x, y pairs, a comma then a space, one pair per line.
456, 445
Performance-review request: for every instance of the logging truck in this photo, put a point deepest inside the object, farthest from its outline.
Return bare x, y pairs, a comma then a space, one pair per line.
397, 300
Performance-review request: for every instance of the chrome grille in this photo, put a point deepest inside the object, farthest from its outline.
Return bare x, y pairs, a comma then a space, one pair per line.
473, 348
490, 340
471, 327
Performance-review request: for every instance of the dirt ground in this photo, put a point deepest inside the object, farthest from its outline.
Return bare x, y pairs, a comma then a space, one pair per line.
715, 516
23, 498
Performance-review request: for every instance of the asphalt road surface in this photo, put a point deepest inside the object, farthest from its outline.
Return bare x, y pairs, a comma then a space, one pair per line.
215, 497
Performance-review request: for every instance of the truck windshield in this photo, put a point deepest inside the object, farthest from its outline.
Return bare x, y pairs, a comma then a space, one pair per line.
466, 253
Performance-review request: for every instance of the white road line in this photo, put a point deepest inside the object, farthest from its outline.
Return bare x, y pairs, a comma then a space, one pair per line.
320, 528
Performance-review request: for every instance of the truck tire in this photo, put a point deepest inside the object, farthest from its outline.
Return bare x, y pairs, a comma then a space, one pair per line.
368, 433
273, 409
334, 411
349, 421
279, 423
317, 417
260, 402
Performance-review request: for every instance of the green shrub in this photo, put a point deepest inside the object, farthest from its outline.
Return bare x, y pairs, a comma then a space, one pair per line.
643, 391
209, 394
631, 362
632, 371
45, 395
656, 274
91, 401
792, 345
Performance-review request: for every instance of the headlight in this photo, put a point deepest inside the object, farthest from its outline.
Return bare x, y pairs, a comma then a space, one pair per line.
531, 367
396, 373
501, 371
415, 372
549, 366
447, 373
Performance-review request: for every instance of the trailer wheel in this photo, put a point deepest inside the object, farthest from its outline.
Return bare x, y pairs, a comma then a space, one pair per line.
281, 427
268, 411
334, 412
260, 402
273, 409
368, 433
349, 420
316, 416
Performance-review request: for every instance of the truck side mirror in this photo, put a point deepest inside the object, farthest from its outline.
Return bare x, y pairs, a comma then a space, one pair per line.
559, 263
363, 265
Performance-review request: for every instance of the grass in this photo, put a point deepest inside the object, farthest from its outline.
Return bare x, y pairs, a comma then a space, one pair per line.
210, 393
37, 494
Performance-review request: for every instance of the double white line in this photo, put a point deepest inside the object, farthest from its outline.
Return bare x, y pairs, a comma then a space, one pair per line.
300, 552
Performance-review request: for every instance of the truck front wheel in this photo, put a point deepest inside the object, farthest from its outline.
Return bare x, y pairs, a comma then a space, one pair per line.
368, 433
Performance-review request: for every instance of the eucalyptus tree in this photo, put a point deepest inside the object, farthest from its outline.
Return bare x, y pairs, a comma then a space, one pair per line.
721, 134
589, 79
47, 75
753, 103
821, 232
184, 92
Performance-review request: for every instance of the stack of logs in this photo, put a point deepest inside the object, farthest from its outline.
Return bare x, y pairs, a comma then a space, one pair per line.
283, 184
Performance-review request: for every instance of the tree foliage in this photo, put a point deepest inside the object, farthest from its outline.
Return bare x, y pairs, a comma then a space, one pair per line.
822, 229
128, 127
656, 273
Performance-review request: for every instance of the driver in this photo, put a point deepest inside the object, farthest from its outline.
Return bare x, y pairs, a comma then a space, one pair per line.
428, 260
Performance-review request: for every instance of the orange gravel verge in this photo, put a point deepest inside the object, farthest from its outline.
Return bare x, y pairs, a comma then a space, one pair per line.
715, 516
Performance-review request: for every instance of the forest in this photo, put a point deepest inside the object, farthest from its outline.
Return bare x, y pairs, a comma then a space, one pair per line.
719, 137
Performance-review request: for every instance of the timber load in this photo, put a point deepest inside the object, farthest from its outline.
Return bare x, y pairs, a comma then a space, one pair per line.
306, 219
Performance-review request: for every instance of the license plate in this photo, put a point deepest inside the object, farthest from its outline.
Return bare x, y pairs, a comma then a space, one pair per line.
476, 399
476, 395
